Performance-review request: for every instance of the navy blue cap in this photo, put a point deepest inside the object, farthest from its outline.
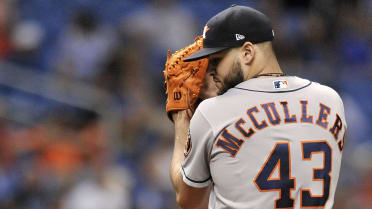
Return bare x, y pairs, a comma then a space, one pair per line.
232, 28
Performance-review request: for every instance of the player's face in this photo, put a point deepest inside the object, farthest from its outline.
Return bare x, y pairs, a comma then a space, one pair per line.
226, 70
209, 88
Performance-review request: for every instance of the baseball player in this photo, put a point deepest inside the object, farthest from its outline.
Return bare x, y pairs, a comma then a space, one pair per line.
268, 140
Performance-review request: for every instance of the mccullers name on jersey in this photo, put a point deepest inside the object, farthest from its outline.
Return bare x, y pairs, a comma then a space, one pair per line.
267, 114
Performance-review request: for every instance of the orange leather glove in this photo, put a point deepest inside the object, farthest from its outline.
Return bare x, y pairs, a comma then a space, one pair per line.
183, 80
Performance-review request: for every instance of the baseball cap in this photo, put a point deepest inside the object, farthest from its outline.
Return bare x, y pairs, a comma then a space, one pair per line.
232, 28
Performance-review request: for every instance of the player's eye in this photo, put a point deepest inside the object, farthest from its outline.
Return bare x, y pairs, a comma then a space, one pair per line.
214, 62
215, 78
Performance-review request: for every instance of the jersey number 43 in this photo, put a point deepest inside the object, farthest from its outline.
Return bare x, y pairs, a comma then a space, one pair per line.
280, 158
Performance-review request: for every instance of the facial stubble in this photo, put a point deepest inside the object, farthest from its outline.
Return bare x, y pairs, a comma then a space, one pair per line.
234, 77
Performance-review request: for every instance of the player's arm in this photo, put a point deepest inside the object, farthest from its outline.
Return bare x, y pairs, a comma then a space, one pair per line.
187, 196
187, 83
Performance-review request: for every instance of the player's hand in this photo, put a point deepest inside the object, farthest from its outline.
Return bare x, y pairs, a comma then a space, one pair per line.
181, 116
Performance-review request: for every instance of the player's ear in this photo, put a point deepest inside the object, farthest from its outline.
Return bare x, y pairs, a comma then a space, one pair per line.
247, 53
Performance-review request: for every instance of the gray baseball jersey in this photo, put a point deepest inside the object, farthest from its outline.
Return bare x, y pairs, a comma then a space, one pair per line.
268, 143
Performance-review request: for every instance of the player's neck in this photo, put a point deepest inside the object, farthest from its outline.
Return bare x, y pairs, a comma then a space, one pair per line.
270, 69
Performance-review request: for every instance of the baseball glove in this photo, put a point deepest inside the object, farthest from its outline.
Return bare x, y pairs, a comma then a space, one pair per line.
183, 80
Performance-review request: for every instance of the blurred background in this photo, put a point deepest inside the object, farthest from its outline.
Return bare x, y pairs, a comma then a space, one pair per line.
82, 104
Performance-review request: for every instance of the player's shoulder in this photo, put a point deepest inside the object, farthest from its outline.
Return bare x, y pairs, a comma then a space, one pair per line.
208, 105
221, 109
215, 103
325, 91
325, 94
205, 116
214, 109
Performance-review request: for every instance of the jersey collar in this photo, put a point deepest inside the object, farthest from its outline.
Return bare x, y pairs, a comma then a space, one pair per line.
274, 84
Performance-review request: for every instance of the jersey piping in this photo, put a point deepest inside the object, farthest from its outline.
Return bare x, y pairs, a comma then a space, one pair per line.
275, 91
194, 181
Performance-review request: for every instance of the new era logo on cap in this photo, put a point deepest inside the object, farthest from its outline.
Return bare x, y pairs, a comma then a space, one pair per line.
239, 37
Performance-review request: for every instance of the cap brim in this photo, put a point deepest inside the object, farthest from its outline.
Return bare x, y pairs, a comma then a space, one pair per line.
205, 52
